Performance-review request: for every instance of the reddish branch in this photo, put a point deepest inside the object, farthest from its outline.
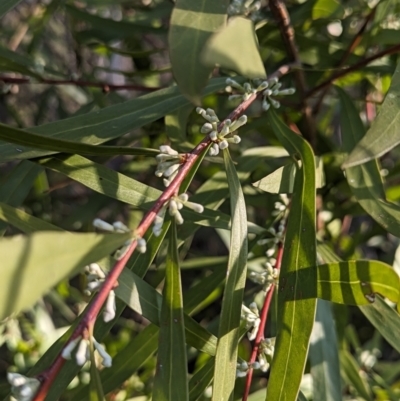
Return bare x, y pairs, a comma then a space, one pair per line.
87, 322
261, 328
350, 49
280, 13
104, 86
354, 67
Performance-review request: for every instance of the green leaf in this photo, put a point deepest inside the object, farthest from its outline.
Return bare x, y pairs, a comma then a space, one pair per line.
176, 123
350, 374
7, 5
15, 187
281, 181
24, 221
295, 318
108, 123
384, 132
385, 319
228, 333
235, 48
201, 380
323, 355
326, 8
96, 388
116, 185
353, 282
192, 23
23, 138
36, 263
171, 382
365, 181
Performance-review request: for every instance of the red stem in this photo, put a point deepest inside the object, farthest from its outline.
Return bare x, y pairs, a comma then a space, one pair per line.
88, 320
263, 321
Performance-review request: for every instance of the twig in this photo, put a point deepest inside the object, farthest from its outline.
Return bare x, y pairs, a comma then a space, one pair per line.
279, 10
350, 49
87, 322
104, 86
354, 67
261, 328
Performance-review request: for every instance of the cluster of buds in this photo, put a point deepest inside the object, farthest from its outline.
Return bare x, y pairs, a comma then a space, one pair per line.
266, 353
220, 139
119, 227
95, 279
82, 355
243, 367
267, 278
174, 205
252, 320
248, 8
169, 161
23, 388
269, 88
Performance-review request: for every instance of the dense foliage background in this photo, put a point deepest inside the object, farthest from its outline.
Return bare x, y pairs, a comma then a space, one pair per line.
91, 89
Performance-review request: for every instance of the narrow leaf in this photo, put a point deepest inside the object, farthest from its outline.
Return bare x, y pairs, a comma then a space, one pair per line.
31, 269
108, 123
235, 48
365, 181
323, 355
281, 181
226, 355
295, 318
384, 132
96, 388
192, 23
171, 382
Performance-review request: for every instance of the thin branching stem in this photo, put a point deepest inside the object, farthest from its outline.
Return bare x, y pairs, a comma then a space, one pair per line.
350, 49
48, 377
102, 85
281, 15
261, 328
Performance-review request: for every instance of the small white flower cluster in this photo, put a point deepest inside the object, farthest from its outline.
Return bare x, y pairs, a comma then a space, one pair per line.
251, 318
169, 161
220, 140
175, 204
269, 88
95, 278
368, 358
245, 7
265, 353
23, 388
243, 367
82, 354
119, 227
267, 278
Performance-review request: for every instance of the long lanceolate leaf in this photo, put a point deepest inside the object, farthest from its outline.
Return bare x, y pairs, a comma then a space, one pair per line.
384, 132
365, 180
192, 23
296, 317
171, 377
226, 355
111, 122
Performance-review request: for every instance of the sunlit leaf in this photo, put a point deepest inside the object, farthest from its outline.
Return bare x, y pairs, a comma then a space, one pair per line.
365, 181
384, 132
31, 269
295, 318
228, 333
235, 48
323, 355
111, 122
326, 9
192, 23
281, 181
171, 382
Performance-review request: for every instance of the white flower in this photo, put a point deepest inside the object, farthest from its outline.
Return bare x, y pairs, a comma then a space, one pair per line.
23, 388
